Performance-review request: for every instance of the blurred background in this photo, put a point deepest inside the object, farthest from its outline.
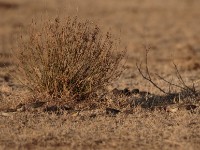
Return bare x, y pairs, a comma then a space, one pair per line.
170, 28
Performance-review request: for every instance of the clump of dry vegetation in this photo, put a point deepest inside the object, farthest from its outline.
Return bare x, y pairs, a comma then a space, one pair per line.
68, 58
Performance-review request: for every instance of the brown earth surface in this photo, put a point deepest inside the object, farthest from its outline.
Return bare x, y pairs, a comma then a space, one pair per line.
142, 119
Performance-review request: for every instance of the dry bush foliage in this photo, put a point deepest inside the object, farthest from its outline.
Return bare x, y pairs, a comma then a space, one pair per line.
68, 58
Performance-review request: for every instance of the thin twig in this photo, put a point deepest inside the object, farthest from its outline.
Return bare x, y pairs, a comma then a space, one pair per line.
148, 77
170, 83
187, 88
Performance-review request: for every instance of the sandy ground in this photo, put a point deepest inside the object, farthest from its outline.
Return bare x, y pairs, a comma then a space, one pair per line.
170, 28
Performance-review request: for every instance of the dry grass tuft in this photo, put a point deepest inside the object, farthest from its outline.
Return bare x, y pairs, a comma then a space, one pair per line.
68, 58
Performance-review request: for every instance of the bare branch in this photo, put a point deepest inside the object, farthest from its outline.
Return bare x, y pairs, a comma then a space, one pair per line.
170, 83
148, 76
187, 88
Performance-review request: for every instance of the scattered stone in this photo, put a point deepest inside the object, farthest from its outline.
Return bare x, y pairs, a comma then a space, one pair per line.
135, 91
98, 142
57, 108
144, 93
11, 110
66, 107
36, 104
190, 107
126, 92
93, 115
112, 111
52, 108
116, 92
175, 107
7, 78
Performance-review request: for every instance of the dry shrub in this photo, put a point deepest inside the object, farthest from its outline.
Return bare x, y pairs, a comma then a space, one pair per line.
68, 58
